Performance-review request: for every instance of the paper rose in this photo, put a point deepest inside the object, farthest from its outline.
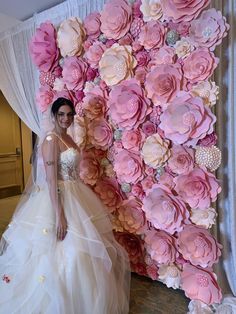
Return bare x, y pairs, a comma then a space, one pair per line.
155, 151
200, 284
89, 168
169, 275
151, 10
74, 73
161, 246
116, 18
80, 131
117, 64
163, 83
199, 65
43, 47
198, 246
128, 105
131, 216
183, 48
186, 120
198, 188
94, 103
92, 25
128, 167
198, 307
44, 98
183, 10
164, 55
108, 191
181, 159
132, 139
203, 217
207, 90
70, 37
164, 210
94, 53
209, 29
100, 133
152, 35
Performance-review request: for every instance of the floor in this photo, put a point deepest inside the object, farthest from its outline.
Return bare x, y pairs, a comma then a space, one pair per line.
147, 296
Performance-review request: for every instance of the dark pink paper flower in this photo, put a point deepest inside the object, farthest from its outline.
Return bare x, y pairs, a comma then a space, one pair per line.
74, 73
92, 25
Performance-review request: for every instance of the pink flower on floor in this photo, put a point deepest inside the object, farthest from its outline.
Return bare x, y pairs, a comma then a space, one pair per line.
74, 73
128, 105
152, 35
164, 210
163, 83
198, 188
161, 246
198, 246
200, 284
128, 167
43, 47
182, 10
116, 18
109, 193
92, 25
186, 120
209, 29
44, 97
181, 160
89, 168
132, 139
199, 65
100, 133
94, 53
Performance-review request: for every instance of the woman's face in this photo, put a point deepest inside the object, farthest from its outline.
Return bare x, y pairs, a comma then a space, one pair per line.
64, 116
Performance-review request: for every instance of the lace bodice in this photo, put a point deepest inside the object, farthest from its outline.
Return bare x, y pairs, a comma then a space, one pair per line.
68, 164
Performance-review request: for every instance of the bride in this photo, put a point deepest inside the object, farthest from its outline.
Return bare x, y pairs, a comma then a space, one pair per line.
58, 254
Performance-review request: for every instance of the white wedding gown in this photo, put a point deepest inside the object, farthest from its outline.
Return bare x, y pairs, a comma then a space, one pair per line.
86, 273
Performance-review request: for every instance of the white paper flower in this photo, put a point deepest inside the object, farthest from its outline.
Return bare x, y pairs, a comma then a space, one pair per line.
170, 275
151, 10
203, 217
198, 307
208, 91
183, 48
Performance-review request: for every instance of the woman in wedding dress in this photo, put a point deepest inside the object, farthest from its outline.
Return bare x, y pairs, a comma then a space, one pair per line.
58, 254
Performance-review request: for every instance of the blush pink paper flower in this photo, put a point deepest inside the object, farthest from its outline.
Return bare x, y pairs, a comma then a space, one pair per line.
92, 25
164, 55
152, 35
100, 133
94, 103
198, 246
43, 47
147, 183
200, 284
89, 168
161, 246
109, 192
132, 139
74, 73
198, 188
128, 167
94, 53
164, 210
131, 216
209, 29
163, 82
183, 10
170, 275
181, 160
186, 120
128, 105
44, 97
199, 65
116, 18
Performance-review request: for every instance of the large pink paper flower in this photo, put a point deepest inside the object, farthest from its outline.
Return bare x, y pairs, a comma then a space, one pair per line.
164, 210
92, 25
44, 97
132, 139
199, 65
198, 246
100, 133
128, 167
43, 47
161, 246
198, 188
128, 105
94, 103
181, 160
94, 53
209, 30
200, 284
108, 191
116, 18
74, 73
183, 10
131, 216
152, 35
90, 169
186, 120
164, 82
164, 55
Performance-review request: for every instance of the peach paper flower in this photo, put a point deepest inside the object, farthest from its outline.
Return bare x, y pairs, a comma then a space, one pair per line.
89, 168
100, 133
170, 275
94, 103
151, 10
207, 90
200, 284
116, 18
70, 37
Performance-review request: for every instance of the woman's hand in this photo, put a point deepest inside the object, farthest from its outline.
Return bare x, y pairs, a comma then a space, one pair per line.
61, 226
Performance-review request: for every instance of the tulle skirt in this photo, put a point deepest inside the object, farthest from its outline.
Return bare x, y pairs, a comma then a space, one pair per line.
86, 273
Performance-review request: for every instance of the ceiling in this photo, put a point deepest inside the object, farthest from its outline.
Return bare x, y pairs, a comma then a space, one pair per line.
24, 9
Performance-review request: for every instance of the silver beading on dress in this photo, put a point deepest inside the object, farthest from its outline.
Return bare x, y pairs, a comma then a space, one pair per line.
68, 164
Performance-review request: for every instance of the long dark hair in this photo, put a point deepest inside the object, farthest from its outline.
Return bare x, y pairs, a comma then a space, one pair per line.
61, 101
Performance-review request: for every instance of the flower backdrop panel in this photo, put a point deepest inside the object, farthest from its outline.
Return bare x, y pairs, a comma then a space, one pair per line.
139, 74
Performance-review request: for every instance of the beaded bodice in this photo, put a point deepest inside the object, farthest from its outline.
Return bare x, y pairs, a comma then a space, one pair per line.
68, 164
